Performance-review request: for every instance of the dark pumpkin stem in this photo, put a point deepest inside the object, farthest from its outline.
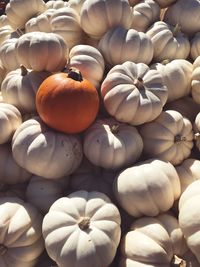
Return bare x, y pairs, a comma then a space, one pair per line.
178, 138
115, 128
139, 83
176, 30
75, 74
24, 70
3, 249
177, 262
84, 223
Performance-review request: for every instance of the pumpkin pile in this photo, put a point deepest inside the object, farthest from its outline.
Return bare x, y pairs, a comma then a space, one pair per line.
100, 133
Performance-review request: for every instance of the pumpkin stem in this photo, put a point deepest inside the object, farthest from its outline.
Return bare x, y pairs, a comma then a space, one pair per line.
177, 262
75, 74
115, 128
197, 139
3, 249
176, 30
24, 70
19, 32
165, 61
84, 223
179, 138
139, 83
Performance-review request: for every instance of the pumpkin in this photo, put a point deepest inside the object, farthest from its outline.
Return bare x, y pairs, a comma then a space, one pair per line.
97, 16
116, 45
56, 4
190, 259
186, 14
2, 73
169, 137
151, 186
76, 5
111, 144
165, 3
67, 102
168, 42
196, 128
21, 241
133, 93
153, 242
6, 32
145, 13
10, 120
4, 20
89, 61
195, 46
19, 12
189, 220
195, 86
8, 54
87, 224
19, 88
45, 152
41, 51
66, 23
177, 76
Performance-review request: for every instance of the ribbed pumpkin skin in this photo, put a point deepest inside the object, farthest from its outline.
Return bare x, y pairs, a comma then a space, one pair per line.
67, 105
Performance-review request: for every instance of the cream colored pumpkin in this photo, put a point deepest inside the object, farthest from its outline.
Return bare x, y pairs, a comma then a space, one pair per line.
45, 152
21, 233
4, 20
153, 242
2, 73
111, 144
177, 76
92, 178
42, 51
165, 3
145, 13
186, 14
196, 127
133, 93
147, 188
66, 23
19, 88
117, 46
168, 42
76, 4
189, 218
169, 137
87, 224
10, 172
6, 32
89, 61
40, 23
56, 4
10, 120
97, 16
8, 54
195, 46
195, 89
19, 12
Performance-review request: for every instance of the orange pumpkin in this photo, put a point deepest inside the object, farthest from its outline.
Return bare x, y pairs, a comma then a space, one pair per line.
67, 102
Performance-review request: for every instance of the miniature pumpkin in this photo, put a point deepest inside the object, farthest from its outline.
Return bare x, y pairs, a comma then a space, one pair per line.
55, 4
195, 46
76, 4
195, 89
196, 127
67, 102
87, 224
8, 54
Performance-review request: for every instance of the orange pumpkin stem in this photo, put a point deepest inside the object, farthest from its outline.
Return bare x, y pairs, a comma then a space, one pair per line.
75, 74
84, 223
3, 249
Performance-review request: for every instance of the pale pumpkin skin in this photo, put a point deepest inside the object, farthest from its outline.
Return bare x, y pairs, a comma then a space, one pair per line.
112, 145
19, 88
45, 152
97, 17
10, 120
168, 42
41, 51
56, 4
6, 32
19, 12
152, 242
169, 137
196, 128
150, 186
195, 88
186, 14
124, 91
86, 230
145, 13
66, 23
177, 76
4, 20
116, 45
76, 5
21, 239
10, 172
165, 3
3, 73
89, 61
189, 220
195, 46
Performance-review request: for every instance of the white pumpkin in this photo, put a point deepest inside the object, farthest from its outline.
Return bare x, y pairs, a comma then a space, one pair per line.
169, 137
6, 32
45, 152
2, 73
89, 61
20, 11
196, 127
195, 46
145, 13
21, 238
111, 144
165, 3
97, 16
87, 224
168, 42
116, 45
133, 93
56, 4
177, 76
147, 188
195, 86
19, 88
4, 20
10, 120
41, 51
76, 4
